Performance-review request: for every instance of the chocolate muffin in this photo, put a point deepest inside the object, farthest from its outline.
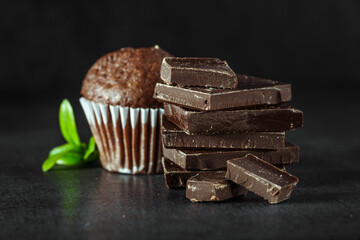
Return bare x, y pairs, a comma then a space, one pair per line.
119, 106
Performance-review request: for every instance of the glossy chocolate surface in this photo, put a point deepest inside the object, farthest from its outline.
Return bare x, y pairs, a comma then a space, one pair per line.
173, 137
214, 159
251, 91
262, 178
212, 186
202, 72
261, 119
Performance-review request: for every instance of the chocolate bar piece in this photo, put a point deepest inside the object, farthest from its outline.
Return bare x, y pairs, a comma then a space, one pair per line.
214, 159
203, 72
261, 177
173, 137
251, 91
212, 187
269, 119
175, 176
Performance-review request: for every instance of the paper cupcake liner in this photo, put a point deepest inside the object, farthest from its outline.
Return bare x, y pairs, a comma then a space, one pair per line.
128, 139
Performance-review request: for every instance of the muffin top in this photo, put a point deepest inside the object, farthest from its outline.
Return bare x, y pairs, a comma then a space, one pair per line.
126, 77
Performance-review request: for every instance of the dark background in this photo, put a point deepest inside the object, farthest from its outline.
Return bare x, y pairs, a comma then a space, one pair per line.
46, 49
47, 46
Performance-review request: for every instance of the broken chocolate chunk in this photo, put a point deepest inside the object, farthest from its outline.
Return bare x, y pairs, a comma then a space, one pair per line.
261, 177
212, 186
203, 72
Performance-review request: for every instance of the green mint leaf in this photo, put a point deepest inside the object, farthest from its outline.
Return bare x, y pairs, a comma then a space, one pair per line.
74, 152
63, 149
90, 149
51, 161
67, 123
70, 159
93, 156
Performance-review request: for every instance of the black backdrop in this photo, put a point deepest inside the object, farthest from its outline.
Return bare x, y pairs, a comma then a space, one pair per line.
48, 46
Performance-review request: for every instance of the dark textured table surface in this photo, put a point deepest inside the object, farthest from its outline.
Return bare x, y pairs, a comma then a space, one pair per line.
90, 203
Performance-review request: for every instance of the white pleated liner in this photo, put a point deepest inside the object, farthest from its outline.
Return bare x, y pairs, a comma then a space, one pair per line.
128, 139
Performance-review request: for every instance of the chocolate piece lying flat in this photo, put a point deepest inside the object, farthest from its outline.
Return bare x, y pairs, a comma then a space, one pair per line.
212, 186
268, 119
251, 91
203, 72
261, 177
173, 137
211, 159
175, 176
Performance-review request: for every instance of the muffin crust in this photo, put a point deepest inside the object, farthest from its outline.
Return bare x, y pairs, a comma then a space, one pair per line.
126, 77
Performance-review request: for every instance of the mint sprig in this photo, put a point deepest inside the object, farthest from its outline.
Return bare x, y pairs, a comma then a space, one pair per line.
67, 123
74, 152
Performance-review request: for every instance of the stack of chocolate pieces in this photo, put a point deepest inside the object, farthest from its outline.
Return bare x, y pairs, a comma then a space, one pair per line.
224, 133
